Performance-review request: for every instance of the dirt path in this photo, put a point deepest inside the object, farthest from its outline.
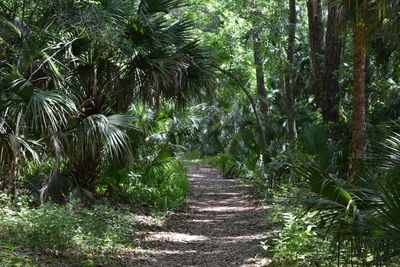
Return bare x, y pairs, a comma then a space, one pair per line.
219, 228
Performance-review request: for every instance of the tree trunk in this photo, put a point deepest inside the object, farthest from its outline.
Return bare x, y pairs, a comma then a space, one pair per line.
85, 166
86, 172
316, 32
332, 63
10, 180
258, 62
289, 73
358, 137
368, 77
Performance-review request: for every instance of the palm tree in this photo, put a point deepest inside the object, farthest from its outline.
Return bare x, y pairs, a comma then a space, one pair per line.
93, 60
365, 17
28, 112
162, 61
366, 211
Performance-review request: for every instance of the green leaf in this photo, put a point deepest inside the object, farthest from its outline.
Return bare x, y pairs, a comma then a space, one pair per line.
15, 260
9, 246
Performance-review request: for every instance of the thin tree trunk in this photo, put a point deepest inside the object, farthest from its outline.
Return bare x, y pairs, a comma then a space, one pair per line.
289, 72
258, 62
253, 105
358, 137
332, 63
316, 32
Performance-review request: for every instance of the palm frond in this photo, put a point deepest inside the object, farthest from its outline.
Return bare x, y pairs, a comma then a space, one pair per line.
155, 6
385, 223
48, 109
98, 132
327, 187
384, 219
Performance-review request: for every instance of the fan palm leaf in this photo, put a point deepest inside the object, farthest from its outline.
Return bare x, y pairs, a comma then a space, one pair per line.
386, 230
98, 132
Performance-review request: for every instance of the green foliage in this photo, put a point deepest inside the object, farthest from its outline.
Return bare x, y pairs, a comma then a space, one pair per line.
155, 177
72, 75
68, 90
361, 215
224, 162
297, 241
73, 234
162, 187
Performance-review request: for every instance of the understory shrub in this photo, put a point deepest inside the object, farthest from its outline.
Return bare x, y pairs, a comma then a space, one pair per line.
296, 239
159, 183
70, 234
163, 187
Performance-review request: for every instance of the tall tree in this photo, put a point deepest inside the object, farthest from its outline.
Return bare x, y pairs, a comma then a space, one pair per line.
332, 51
258, 62
325, 57
164, 62
289, 84
316, 32
358, 126
365, 17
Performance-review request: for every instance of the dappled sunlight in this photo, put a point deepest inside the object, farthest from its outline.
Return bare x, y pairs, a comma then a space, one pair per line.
241, 238
196, 175
148, 220
225, 209
220, 226
221, 194
172, 252
175, 237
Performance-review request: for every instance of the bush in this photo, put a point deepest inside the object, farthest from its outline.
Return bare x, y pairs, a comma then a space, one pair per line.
297, 240
164, 187
160, 183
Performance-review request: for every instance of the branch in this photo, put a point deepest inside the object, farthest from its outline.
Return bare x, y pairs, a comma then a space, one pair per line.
252, 102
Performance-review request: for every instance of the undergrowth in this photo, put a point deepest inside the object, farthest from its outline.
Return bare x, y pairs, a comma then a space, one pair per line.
71, 234
161, 186
296, 239
75, 234
164, 190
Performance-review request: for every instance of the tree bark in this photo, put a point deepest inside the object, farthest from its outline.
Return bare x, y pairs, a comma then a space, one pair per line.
358, 137
316, 33
258, 62
331, 85
86, 171
289, 72
368, 77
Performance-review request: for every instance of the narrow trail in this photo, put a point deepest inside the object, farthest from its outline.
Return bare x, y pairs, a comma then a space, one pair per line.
219, 227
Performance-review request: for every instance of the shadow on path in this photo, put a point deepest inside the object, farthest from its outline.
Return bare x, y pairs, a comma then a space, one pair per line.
220, 226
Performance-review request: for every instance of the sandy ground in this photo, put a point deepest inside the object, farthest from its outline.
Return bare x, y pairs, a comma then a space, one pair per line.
219, 227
